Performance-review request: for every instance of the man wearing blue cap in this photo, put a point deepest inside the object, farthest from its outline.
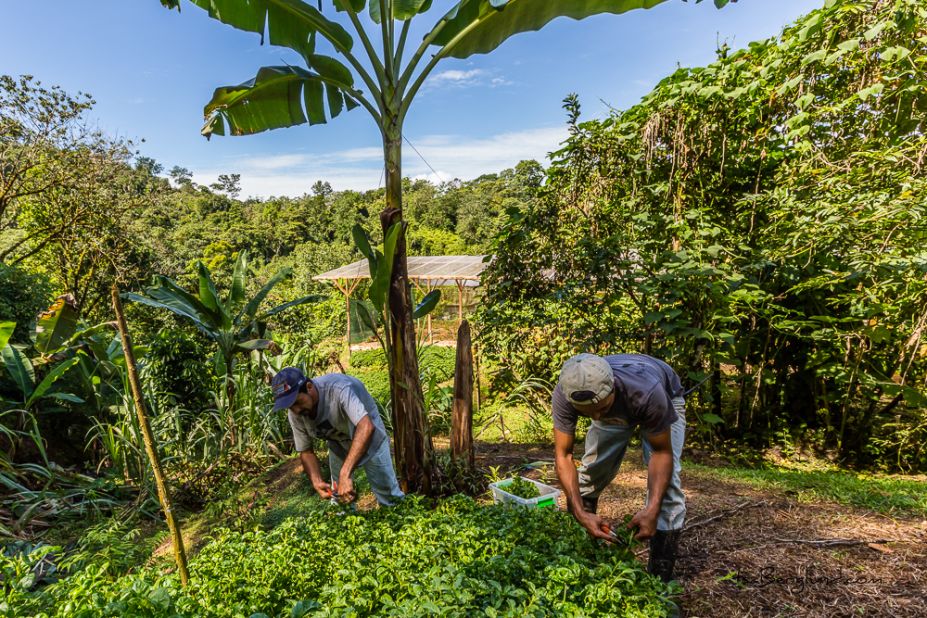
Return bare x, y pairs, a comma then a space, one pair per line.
621, 393
337, 408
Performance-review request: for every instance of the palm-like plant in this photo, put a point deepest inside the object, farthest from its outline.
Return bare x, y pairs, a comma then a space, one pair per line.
384, 82
235, 324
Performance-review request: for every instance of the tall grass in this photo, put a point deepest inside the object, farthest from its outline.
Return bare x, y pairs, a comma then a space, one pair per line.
36, 495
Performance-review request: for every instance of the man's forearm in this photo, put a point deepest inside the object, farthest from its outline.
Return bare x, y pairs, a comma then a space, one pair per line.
311, 466
569, 481
659, 472
363, 433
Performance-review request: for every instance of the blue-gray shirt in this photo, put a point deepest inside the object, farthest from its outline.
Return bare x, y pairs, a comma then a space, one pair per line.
343, 403
644, 389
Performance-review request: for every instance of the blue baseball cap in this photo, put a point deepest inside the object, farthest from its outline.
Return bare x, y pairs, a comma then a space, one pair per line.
286, 385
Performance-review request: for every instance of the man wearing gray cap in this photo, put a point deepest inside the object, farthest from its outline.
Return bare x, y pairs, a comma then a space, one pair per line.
620, 393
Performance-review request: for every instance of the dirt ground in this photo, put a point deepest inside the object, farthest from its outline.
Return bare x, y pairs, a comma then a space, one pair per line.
747, 552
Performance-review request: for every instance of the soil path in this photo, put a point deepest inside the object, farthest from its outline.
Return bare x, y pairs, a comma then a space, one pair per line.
749, 553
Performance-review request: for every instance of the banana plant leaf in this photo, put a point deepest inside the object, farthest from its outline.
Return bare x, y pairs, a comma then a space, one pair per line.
427, 305
255, 344
379, 284
56, 326
19, 368
402, 9
281, 96
361, 314
293, 303
6, 331
53, 376
480, 26
237, 291
291, 23
250, 310
210, 297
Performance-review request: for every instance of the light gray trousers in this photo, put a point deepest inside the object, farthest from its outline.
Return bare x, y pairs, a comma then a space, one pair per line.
606, 444
380, 474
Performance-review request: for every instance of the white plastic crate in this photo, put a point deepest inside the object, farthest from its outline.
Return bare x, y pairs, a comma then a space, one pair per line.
548, 499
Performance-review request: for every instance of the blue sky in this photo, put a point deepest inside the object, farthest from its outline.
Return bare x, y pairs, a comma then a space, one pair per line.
151, 71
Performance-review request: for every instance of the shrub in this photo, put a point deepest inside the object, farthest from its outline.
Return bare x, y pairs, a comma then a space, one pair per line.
24, 295
177, 370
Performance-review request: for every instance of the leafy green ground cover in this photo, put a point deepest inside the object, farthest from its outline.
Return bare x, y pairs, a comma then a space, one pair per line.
882, 493
458, 559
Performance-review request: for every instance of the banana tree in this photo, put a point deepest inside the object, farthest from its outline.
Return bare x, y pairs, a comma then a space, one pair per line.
380, 78
57, 341
21, 371
234, 324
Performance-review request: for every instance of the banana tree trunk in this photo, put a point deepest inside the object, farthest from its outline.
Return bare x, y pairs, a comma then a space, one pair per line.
412, 440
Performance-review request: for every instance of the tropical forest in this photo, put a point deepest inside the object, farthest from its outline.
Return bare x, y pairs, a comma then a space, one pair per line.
684, 372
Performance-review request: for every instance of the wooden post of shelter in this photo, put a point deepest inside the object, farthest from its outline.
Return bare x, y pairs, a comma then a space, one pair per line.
180, 555
347, 289
460, 288
462, 415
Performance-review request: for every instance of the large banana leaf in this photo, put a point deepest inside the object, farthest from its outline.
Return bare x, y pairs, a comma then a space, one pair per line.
379, 284
280, 97
19, 368
402, 9
254, 344
250, 310
285, 306
210, 297
173, 307
290, 23
6, 331
237, 292
485, 24
427, 305
168, 295
57, 325
53, 376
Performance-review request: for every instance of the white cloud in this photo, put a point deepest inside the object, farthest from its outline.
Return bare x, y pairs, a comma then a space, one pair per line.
452, 156
457, 78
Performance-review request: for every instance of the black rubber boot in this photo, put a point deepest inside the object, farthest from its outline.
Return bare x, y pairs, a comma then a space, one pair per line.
590, 504
663, 546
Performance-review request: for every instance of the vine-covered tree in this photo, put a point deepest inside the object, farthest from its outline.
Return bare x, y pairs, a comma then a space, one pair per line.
760, 220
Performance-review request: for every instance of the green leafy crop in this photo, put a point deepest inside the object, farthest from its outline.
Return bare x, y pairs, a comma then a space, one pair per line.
457, 559
522, 488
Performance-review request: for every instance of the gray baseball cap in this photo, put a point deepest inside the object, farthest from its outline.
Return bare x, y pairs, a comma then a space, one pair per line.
586, 379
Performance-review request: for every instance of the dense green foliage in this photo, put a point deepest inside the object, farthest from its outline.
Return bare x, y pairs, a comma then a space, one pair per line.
760, 221
456, 559
25, 294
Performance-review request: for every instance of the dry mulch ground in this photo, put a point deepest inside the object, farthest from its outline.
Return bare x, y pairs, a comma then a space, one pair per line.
748, 552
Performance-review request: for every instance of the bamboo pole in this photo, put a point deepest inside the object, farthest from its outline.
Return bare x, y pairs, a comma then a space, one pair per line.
180, 555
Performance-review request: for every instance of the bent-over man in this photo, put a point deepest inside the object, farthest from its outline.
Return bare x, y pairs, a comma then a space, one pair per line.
621, 393
337, 408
